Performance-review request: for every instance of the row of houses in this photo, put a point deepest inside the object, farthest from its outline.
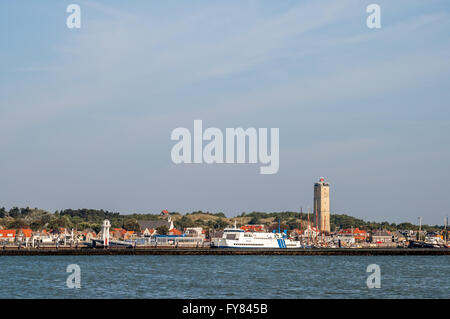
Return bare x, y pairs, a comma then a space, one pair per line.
66, 236
148, 229
353, 236
12, 235
26, 235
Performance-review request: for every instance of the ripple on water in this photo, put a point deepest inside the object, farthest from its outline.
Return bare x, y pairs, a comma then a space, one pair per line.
225, 277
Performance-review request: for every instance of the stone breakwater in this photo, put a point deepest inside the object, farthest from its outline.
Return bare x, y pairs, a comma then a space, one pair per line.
218, 251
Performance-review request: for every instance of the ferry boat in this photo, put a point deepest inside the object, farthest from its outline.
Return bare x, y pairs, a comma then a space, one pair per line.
238, 238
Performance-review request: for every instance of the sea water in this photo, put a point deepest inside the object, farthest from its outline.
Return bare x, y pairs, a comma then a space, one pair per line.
224, 277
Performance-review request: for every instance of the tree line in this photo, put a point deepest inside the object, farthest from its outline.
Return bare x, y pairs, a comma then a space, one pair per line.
82, 219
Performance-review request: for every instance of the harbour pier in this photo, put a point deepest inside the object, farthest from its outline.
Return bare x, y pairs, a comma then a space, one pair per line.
67, 251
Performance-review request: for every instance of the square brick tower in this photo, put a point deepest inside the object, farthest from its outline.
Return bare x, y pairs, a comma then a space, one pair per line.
322, 204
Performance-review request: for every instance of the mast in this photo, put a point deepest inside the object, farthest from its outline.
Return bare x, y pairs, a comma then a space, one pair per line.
315, 211
317, 225
301, 228
420, 226
301, 216
309, 228
445, 229
352, 233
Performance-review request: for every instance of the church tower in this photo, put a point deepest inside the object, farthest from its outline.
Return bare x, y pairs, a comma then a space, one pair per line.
322, 204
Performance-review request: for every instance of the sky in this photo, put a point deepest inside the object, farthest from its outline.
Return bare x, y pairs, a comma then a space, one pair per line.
86, 114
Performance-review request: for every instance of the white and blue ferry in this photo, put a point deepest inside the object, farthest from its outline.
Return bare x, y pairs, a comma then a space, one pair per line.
238, 238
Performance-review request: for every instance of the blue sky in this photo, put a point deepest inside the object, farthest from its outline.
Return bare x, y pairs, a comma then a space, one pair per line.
86, 115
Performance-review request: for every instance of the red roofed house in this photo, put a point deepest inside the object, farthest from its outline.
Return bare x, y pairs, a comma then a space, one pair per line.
24, 235
358, 234
123, 234
130, 234
310, 232
8, 235
148, 232
87, 235
175, 232
116, 233
42, 237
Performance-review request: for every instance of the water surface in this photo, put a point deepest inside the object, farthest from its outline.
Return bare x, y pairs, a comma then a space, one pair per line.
225, 277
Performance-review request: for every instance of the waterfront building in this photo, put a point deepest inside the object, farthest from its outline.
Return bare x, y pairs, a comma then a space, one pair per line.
357, 234
88, 235
42, 237
344, 240
192, 237
399, 237
176, 241
175, 231
122, 234
7, 235
194, 232
148, 226
381, 236
310, 233
322, 205
148, 232
24, 235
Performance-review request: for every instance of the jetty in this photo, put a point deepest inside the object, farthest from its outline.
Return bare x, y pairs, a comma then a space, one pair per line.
67, 251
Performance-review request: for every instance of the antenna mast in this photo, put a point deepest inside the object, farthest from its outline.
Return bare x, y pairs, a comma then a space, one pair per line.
309, 227
420, 226
317, 225
445, 229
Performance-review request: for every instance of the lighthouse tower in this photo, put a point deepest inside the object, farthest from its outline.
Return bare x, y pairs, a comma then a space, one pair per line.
322, 204
105, 232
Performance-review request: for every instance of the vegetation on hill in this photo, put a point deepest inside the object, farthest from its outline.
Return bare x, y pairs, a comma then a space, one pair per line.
81, 219
337, 221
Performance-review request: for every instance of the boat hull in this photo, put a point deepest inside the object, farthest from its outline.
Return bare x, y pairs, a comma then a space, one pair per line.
272, 243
